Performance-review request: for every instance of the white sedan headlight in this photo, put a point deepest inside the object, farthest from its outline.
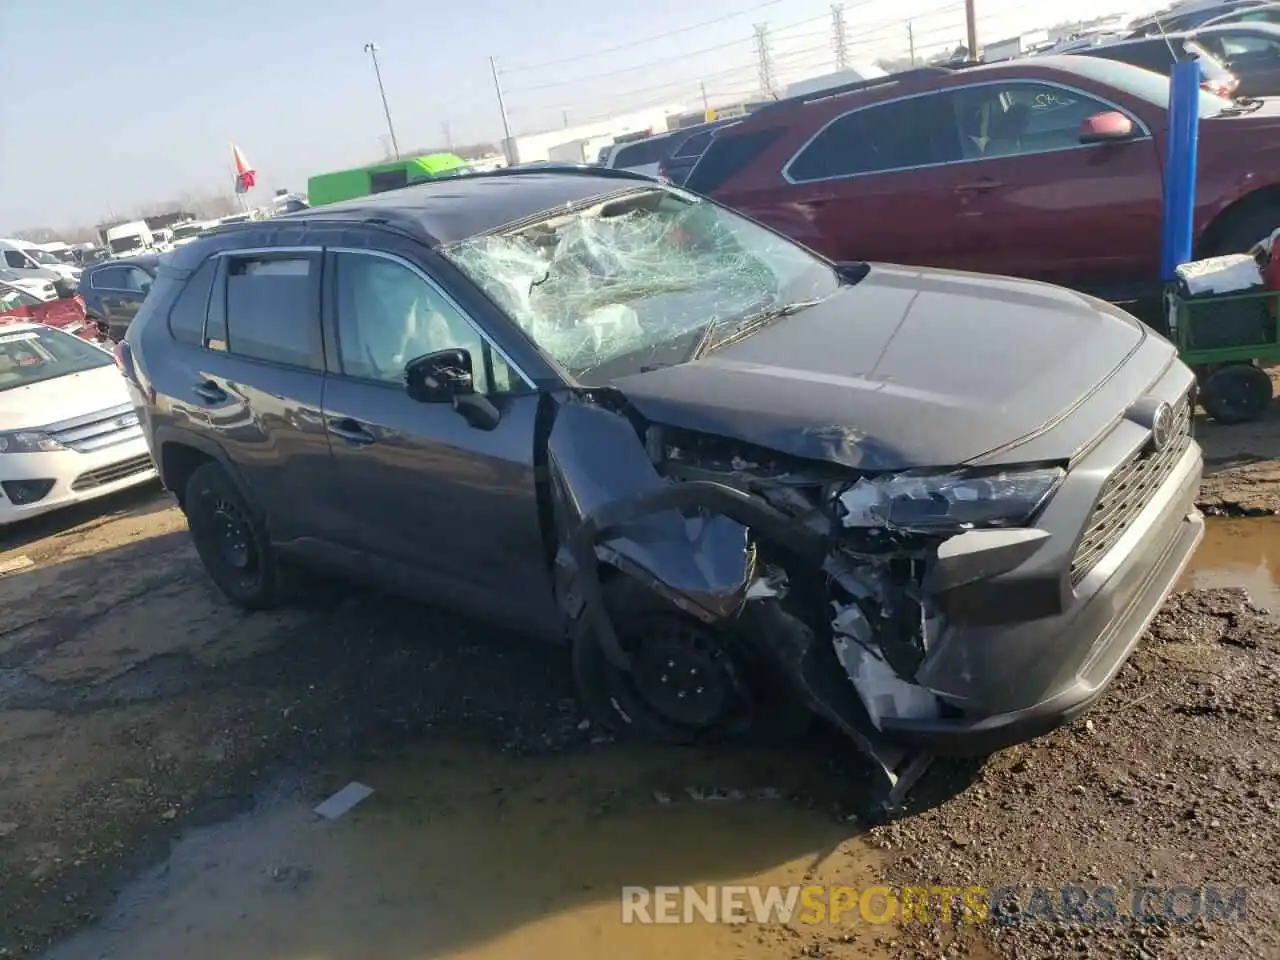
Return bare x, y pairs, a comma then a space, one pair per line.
28, 441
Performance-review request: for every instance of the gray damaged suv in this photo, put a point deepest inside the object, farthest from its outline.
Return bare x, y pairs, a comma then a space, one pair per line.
746, 483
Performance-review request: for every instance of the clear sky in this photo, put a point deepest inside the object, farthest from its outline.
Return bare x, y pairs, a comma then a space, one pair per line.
110, 104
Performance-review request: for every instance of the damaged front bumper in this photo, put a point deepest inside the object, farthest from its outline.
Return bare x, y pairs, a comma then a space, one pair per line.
913, 645
1010, 675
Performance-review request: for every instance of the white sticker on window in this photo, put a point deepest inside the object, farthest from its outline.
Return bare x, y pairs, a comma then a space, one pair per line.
24, 335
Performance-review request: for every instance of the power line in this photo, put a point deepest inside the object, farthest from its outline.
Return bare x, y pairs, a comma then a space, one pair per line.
633, 69
639, 43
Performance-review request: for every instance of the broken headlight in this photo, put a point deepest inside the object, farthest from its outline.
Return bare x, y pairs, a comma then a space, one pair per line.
927, 502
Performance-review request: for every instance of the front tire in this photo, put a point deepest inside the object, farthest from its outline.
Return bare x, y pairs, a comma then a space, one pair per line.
231, 541
690, 682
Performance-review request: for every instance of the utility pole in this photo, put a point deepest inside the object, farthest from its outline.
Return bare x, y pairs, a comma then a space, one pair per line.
837, 29
911, 42
507, 145
564, 117
371, 49
971, 28
448, 135
764, 60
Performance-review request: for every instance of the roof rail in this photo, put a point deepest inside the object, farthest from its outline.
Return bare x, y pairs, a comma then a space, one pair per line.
843, 88
553, 166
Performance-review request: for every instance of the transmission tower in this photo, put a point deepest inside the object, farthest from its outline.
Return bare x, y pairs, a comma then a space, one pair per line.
837, 29
764, 60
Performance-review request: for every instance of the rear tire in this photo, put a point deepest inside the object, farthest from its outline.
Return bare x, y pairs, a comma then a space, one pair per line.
1236, 393
1246, 228
232, 543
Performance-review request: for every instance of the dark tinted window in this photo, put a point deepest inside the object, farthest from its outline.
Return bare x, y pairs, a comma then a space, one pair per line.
646, 151
696, 145
186, 319
388, 180
108, 278
15, 259
906, 133
727, 157
1150, 55
273, 309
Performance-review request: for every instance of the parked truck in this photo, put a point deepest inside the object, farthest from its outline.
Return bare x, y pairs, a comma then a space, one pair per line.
129, 239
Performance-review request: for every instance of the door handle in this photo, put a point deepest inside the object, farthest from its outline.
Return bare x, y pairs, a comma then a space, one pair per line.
979, 186
351, 431
209, 392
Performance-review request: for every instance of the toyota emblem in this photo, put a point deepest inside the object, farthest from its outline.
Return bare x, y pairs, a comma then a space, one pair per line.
1162, 427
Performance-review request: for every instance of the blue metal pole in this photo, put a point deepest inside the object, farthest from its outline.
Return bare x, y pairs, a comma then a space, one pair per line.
1180, 166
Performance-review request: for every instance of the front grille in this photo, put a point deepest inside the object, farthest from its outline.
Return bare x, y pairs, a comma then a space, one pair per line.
1127, 491
110, 474
96, 431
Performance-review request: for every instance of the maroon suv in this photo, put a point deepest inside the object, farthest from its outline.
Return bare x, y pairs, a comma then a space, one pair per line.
1048, 168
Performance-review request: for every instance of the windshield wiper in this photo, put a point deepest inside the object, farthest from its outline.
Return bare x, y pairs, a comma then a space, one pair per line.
750, 324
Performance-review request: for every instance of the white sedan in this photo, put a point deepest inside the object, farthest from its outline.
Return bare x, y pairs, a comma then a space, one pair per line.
68, 431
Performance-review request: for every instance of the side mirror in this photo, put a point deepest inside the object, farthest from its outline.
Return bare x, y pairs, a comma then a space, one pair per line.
145, 287
439, 377
1110, 125
446, 377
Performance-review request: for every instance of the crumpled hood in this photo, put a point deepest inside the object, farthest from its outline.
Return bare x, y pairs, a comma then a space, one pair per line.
52, 401
911, 367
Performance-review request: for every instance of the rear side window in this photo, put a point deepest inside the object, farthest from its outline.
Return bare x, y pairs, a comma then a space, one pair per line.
186, 318
641, 153
273, 309
916, 132
1154, 56
728, 156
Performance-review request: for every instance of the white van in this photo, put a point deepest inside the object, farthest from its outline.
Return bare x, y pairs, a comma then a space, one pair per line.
130, 239
24, 260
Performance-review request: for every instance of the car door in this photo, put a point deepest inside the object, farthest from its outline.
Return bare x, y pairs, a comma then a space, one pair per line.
1251, 54
256, 385
427, 494
118, 292
19, 266
871, 184
1039, 204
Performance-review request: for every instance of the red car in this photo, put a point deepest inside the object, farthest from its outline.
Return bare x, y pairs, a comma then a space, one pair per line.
65, 313
1048, 168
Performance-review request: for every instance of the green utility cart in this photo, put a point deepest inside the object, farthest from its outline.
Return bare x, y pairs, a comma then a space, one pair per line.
1228, 339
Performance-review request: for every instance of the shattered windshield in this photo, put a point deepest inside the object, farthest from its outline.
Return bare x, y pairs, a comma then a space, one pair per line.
641, 278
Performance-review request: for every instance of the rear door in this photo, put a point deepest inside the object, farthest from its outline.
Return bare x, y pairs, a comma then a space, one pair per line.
256, 386
1038, 203
118, 292
872, 184
424, 491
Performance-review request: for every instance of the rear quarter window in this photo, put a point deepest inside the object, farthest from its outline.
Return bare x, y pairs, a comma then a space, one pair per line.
187, 316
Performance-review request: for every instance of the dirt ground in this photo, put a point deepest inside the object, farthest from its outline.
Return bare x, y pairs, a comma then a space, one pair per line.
1242, 464
160, 752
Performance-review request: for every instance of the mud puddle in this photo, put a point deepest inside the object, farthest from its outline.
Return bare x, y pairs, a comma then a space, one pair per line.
1239, 553
467, 852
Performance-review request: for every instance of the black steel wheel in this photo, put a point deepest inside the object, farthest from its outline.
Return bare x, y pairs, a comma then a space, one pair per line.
689, 682
231, 542
1236, 393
